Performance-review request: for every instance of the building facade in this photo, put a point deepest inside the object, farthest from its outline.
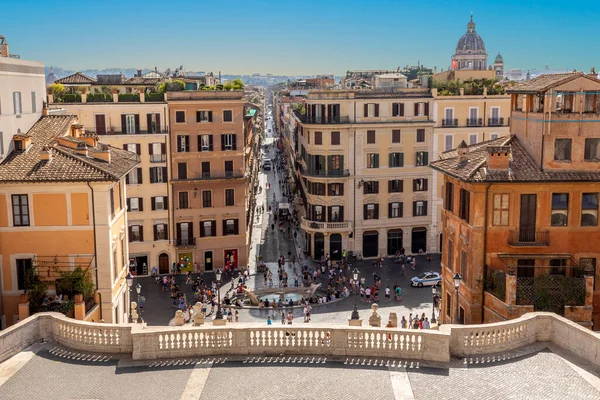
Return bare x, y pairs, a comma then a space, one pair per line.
141, 128
62, 205
361, 161
521, 212
208, 178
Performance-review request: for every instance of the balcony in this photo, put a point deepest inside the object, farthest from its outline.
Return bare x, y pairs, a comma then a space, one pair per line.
185, 242
528, 238
449, 123
474, 122
325, 226
496, 121
109, 132
202, 176
321, 173
305, 119
156, 158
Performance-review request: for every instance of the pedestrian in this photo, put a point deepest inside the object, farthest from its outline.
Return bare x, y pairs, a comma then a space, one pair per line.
269, 320
398, 293
368, 294
426, 324
387, 294
237, 316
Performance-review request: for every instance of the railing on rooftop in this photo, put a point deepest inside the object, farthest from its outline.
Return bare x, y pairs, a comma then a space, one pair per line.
213, 175
450, 123
305, 119
527, 237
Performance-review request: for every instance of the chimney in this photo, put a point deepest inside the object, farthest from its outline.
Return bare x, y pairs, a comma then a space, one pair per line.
498, 158
45, 154
435, 69
593, 73
102, 152
45, 111
462, 151
139, 73
77, 130
3, 47
90, 139
82, 149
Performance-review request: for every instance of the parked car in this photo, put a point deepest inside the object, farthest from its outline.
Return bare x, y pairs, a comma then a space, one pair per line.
428, 278
267, 165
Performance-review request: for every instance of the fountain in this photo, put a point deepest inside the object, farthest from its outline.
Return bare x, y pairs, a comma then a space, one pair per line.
284, 294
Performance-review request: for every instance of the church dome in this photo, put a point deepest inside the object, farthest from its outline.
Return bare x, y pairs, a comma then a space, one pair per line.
470, 42
498, 58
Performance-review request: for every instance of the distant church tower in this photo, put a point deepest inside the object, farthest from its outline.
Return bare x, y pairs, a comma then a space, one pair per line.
470, 50
499, 67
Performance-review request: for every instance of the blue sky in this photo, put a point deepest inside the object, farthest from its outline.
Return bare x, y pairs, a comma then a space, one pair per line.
296, 37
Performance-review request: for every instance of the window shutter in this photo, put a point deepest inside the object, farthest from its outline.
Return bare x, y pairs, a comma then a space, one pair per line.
128, 205
139, 174
222, 142
414, 185
425, 207
427, 109
123, 124
401, 210
155, 228
414, 208
342, 162
149, 125
164, 174
141, 203
166, 202
425, 184
200, 143
187, 143
376, 160
210, 141
377, 110
152, 175
163, 149
390, 183
401, 186
376, 211
213, 228
329, 214
416, 109
150, 148
138, 149
202, 233
365, 211
366, 110
389, 210
365, 185
376, 186
329, 163
130, 231
125, 147
394, 109
158, 130
401, 160
153, 203
341, 213
141, 228
233, 141
210, 116
224, 227
391, 161
127, 179
401, 111
178, 228
425, 158
137, 123
236, 227
191, 232
341, 189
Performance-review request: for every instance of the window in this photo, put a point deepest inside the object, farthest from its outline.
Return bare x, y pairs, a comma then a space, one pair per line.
319, 138
183, 200
205, 142
206, 169
449, 197
316, 188
336, 189
135, 204
558, 267
206, 198
335, 138
473, 139
422, 158
372, 160
500, 217
589, 209
160, 203
336, 164
157, 151
448, 142
136, 233
203, 116
397, 109
336, 214
20, 204
18, 146
395, 210
560, 209
493, 136
230, 227
371, 187
463, 265
450, 260
1, 145
228, 169
448, 116
419, 208
228, 141
588, 267
371, 110
111, 195
420, 185
185, 233
395, 186
396, 136
17, 103
183, 143
420, 135
158, 174
182, 170
133, 147
180, 117
464, 204
24, 268
448, 305
371, 211
370, 137
318, 213
396, 160
153, 122
227, 116
592, 149
208, 228
229, 197
160, 232
33, 103
562, 150
134, 177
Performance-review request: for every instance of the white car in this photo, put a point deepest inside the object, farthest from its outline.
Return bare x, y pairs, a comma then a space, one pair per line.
428, 278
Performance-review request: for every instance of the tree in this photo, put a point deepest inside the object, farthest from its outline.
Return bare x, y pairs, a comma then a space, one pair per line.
238, 84
174, 85
228, 85
57, 89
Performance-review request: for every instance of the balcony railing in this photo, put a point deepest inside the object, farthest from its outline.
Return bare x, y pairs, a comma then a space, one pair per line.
529, 238
474, 122
305, 119
186, 242
450, 123
496, 121
155, 158
109, 132
323, 173
213, 175
327, 226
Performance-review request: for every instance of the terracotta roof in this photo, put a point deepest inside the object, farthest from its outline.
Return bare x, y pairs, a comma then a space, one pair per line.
76, 78
143, 81
369, 94
547, 81
522, 168
65, 164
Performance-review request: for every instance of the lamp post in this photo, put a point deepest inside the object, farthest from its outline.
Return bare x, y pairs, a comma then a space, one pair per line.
138, 289
433, 294
457, 278
355, 315
129, 279
218, 276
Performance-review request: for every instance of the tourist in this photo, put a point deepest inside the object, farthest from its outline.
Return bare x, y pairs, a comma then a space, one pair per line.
398, 293
290, 318
368, 294
237, 316
387, 294
403, 323
283, 317
269, 320
426, 324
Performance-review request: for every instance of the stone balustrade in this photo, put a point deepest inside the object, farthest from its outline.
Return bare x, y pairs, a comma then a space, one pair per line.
258, 339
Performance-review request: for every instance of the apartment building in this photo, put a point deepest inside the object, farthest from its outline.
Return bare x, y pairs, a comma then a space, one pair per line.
521, 212
361, 159
22, 88
208, 178
464, 117
62, 205
140, 127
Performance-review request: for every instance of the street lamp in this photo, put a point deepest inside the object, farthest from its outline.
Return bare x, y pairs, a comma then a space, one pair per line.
138, 289
355, 315
433, 294
457, 278
218, 276
129, 279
